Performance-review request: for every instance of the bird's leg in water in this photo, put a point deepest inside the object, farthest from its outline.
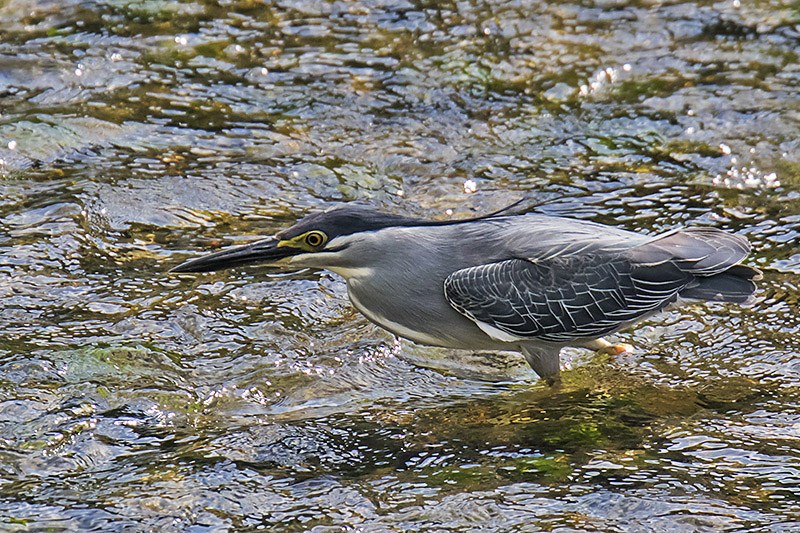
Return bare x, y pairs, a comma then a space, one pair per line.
544, 361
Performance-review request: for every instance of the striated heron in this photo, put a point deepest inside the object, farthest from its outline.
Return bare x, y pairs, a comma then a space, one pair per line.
528, 283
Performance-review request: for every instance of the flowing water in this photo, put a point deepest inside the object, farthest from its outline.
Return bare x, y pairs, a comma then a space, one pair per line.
137, 134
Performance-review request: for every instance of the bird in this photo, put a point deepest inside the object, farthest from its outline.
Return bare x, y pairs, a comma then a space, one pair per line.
528, 283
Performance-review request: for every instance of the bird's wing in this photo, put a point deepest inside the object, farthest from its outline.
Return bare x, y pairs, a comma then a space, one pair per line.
562, 298
578, 291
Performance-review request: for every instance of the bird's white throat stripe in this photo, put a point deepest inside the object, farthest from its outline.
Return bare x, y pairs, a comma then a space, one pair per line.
350, 273
398, 329
347, 272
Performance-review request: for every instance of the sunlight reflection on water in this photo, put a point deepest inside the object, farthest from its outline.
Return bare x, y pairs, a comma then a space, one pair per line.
134, 135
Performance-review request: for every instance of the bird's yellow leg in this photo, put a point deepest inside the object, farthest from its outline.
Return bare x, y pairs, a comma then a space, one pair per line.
604, 347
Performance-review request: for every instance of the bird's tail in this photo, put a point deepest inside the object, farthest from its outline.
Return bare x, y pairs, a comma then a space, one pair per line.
712, 256
735, 285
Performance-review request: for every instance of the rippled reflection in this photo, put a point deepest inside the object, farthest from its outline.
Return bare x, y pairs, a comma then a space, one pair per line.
135, 134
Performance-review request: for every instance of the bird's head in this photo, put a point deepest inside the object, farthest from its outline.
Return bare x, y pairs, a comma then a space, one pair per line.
319, 240
311, 240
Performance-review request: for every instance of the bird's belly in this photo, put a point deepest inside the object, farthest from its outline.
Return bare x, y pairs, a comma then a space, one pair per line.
395, 327
435, 325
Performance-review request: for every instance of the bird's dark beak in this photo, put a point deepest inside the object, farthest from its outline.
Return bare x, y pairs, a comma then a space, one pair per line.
263, 251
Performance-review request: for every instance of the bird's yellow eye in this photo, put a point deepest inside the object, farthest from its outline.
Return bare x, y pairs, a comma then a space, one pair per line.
315, 238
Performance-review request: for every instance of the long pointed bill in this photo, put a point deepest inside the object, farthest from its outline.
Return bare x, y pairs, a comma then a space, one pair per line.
264, 251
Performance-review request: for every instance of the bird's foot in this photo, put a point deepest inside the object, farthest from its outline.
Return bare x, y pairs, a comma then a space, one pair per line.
615, 349
604, 347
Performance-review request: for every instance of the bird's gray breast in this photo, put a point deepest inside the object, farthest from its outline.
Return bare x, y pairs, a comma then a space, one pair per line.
402, 290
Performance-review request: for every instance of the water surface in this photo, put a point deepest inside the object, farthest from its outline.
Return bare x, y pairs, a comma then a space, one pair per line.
135, 135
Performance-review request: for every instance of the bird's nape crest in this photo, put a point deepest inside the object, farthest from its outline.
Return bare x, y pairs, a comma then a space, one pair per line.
349, 219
